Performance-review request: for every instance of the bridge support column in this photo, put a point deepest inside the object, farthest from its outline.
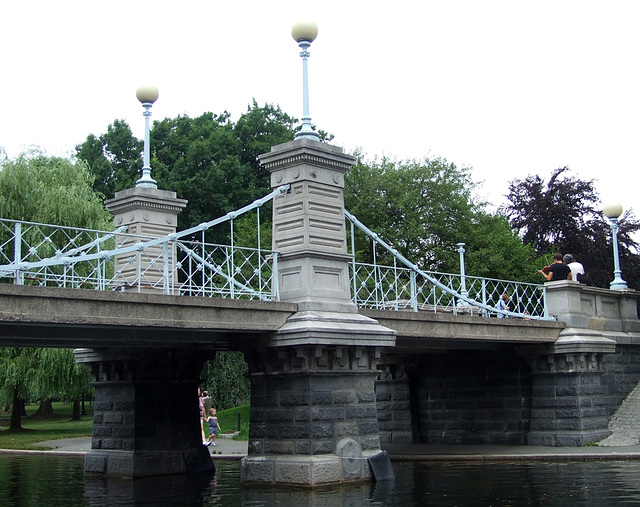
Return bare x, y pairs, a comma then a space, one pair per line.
146, 418
568, 397
313, 414
313, 407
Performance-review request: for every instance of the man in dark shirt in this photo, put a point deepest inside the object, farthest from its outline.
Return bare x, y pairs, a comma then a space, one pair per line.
557, 271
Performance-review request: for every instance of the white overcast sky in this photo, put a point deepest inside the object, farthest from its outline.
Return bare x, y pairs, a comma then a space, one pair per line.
508, 88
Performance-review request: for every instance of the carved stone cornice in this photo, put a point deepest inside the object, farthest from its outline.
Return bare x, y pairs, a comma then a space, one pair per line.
579, 362
315, 359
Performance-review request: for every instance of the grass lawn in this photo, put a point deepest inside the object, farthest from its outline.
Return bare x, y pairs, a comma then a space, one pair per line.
61, 426
228, 420
37, 430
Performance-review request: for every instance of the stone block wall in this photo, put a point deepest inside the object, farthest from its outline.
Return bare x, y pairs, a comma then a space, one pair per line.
473, 397
621, 375
393, 399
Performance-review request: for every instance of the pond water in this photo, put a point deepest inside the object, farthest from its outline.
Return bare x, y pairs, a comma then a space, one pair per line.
54, 480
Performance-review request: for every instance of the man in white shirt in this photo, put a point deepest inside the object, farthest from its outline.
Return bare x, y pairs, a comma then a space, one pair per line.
575, 267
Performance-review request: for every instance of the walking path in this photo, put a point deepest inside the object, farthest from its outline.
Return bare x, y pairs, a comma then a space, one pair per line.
233, 449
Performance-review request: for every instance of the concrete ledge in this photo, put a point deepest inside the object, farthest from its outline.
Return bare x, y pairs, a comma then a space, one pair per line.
148, 463
423, 330
302, 470
40, 316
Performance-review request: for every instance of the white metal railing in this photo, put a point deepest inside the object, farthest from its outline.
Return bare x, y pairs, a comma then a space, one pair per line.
404, 286
178, 264
52, 255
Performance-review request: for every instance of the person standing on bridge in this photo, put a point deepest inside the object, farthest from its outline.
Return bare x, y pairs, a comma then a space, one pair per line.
503, 304
557, 271
577, 269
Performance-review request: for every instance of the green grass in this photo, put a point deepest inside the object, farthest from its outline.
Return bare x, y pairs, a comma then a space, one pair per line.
61, 426
38, 430
228, 420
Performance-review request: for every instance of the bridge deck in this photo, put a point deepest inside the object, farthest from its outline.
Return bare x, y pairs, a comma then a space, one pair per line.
53, 317
427, 330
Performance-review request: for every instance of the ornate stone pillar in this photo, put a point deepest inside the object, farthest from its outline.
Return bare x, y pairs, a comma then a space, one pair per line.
147, 212
313, 409
146, 419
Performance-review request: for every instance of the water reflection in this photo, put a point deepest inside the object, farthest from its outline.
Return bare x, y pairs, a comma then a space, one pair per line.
53, 481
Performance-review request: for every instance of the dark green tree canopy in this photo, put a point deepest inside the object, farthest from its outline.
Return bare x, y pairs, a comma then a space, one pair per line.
564, 215
424, 209
114, 158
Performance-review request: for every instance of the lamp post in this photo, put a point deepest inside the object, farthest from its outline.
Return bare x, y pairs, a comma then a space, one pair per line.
147, 95
612, 211
463, 289
304, 33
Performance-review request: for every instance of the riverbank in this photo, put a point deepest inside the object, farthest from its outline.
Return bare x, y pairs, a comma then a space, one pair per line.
234, 449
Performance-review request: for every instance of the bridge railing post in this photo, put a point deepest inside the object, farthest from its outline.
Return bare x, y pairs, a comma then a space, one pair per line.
275, 278
165, 269
17, 252
414, 291
484, 295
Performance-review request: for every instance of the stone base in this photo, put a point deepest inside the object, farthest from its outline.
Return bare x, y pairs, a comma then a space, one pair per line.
566, 438
148, 463
306, 470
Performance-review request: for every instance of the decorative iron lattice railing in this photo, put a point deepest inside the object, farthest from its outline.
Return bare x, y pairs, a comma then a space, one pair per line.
179, 264
404, 286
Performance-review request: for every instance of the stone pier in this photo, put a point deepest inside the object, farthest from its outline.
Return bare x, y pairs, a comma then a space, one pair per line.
146, 419
313, 405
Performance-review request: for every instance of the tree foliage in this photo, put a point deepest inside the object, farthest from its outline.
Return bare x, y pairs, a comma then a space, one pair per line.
424, 209
39, 188
45, 189
114, 158
564, 215
225, 378
418, 207
209, 160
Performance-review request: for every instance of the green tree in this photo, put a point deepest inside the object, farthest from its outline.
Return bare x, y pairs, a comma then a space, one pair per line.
39, 188
45, 189
114, 158
564, 215
423, 209
494, 250
62, 378
209, 160
18, 367
226, 380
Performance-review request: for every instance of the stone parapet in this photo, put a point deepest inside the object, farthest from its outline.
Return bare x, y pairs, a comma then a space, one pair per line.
594, 312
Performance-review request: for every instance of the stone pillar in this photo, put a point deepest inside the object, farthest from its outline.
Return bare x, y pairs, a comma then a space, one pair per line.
148, 212
568, 400
309, 224
393, 397
313, 410
146, 419
569, 405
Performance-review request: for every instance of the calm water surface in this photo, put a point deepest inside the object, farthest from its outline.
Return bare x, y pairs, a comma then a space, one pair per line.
52, 481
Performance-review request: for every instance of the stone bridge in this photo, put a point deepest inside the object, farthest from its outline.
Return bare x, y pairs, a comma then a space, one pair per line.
331, 384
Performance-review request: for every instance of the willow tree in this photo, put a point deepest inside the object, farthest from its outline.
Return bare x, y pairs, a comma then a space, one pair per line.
39, 188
